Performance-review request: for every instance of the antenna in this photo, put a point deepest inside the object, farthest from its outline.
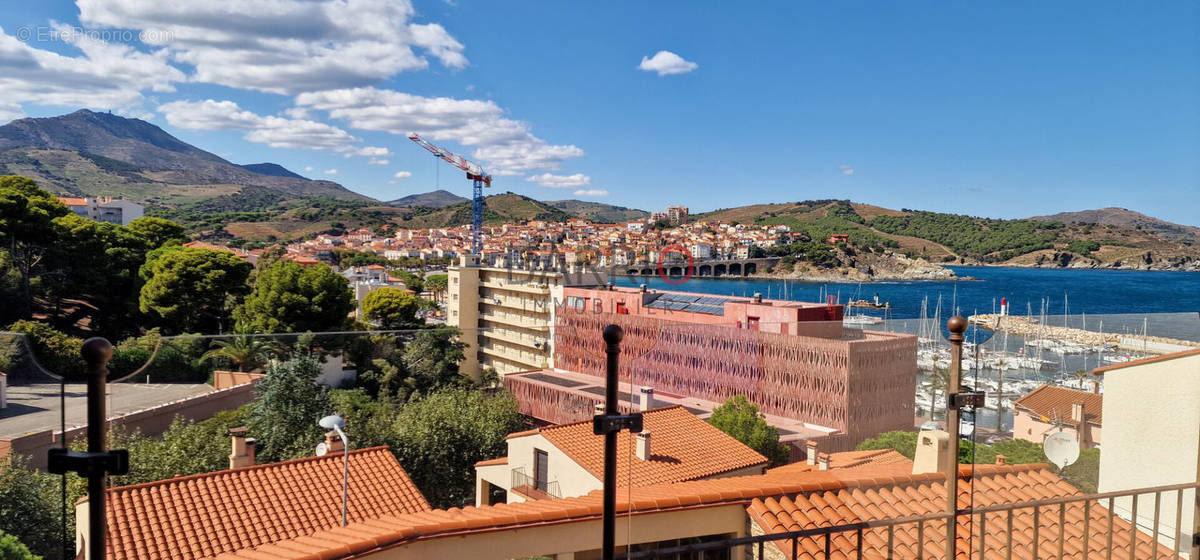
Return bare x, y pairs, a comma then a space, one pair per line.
1062, 449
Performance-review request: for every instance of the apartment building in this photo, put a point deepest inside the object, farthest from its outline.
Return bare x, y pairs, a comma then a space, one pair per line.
677, 214
104, 209
506, 314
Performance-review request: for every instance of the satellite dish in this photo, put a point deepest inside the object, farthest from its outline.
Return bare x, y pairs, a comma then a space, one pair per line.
1062, 449
322, 449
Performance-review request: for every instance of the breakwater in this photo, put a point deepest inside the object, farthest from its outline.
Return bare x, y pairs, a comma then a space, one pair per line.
1030, 328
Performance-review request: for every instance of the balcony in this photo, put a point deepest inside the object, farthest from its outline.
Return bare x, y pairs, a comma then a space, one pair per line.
525, 485
538, 289
515, 319
538, 344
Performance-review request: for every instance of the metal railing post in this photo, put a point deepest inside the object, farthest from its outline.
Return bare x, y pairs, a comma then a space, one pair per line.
957, 326
96, 352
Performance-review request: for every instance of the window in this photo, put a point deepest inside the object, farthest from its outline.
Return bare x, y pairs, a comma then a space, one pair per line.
541, 469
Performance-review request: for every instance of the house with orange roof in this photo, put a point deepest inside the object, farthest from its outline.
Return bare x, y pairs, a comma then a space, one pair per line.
1152, 435
216, 513
568, 459
1050, 409
896, 507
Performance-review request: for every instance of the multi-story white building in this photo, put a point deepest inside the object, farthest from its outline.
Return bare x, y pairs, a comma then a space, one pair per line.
506, 314
105, 209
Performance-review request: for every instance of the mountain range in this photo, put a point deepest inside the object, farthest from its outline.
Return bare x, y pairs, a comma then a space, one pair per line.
101, 154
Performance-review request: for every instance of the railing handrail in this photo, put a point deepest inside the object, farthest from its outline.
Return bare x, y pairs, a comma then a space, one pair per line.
888, 523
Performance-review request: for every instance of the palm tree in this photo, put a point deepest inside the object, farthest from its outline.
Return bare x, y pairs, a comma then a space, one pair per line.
1081, 376
939, 380
247, 353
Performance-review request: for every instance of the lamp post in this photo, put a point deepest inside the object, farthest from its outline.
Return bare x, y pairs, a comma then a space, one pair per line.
336, 423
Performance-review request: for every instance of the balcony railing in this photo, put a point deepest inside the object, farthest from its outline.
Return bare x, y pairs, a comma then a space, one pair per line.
1077, 527
525, 485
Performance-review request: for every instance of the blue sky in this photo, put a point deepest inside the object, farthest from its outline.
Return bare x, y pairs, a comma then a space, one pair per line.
1005, 109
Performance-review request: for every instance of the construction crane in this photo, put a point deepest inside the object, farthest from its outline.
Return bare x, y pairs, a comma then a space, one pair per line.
475, 173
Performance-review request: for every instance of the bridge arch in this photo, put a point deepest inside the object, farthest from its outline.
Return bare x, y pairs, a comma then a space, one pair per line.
735, 269
750, 268
705, 270
719, 270
675, 271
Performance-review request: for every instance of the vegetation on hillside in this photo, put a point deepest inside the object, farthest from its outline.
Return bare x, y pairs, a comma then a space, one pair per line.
984, 239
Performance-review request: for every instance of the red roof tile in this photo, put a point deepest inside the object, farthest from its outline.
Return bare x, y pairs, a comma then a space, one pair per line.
776, 501
983, 486
1055, 402
881, 460
682, 447
208, 514
1150, 360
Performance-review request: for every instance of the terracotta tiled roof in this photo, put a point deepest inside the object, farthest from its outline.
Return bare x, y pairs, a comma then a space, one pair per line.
208, 514
489, 462
682, 447
864, 493
68, 201
1150, 360
923, 495
1055, 402
882, 460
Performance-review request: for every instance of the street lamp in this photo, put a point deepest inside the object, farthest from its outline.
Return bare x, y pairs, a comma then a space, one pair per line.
336, 423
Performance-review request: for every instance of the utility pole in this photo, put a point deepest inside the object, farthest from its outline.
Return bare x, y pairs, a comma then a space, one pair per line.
608, 425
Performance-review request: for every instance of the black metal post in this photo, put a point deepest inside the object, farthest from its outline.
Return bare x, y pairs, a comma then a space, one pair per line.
957, 326
96, 352
612, 337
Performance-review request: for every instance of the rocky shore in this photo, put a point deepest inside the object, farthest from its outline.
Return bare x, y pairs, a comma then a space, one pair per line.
866, 267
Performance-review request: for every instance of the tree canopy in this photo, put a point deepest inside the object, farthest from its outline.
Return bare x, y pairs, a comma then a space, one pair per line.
741, 419
441, 437
157, 231
390, 308
27, 230
288, 402
188, 289
287, 297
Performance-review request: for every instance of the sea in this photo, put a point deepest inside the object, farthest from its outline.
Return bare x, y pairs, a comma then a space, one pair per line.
1164, 303
1155, 303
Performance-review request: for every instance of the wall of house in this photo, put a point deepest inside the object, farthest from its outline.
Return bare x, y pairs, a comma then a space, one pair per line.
1152, 435
150, 421
575, 540
572, 479
1029, 427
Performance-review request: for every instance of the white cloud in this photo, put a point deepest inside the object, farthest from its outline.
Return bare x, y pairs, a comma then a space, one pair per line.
284, 46
560, 181
277, 132
308, 168
403, 174
507, 146
331, 171
667, 62
105, 76
377, 161
846, 169
591, 192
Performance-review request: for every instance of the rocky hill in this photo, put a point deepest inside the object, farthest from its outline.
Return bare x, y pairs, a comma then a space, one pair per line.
1127, 218
1080, 241
107, 155
434, 199
598, 211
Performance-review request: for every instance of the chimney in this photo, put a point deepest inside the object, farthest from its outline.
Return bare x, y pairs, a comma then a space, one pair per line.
643, 288
333, 443
823, 462
643, 445
1001, 459
932, 452
242, 454
1096, 385
646, 399
1077, 412
599, 408
757, 297
812, 452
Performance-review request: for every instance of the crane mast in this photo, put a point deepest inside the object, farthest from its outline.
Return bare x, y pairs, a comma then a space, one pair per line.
479, 179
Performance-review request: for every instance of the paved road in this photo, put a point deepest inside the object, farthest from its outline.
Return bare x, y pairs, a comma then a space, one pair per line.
33, 408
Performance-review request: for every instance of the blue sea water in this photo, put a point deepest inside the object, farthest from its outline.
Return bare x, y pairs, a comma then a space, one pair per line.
1122, 297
